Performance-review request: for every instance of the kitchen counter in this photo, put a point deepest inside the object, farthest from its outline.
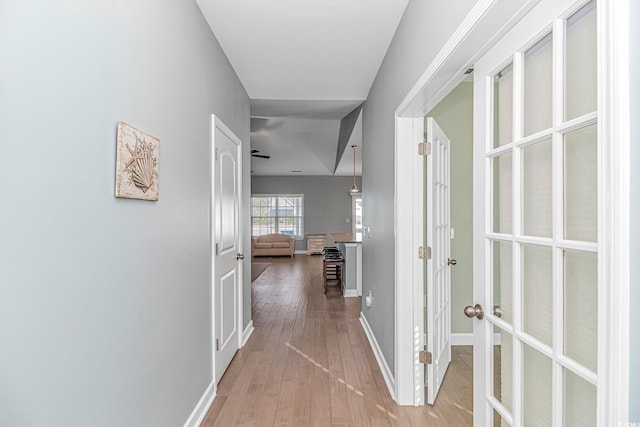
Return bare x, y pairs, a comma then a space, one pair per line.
347, 237
350, 245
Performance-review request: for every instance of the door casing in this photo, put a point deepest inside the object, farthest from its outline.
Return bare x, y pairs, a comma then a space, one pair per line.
475, 35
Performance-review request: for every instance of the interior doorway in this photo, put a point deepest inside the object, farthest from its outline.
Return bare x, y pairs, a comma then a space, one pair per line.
451, 219
474, 39
486, 23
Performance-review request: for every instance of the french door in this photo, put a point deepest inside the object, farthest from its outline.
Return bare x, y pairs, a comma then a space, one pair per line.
438, 286
536, 153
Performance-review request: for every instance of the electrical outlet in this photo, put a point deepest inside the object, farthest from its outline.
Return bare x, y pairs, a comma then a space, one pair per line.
368, 300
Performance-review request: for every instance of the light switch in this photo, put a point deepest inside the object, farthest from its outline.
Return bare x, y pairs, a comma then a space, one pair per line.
453, 233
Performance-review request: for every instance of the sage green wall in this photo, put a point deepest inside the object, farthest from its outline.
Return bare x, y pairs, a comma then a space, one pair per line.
454, 114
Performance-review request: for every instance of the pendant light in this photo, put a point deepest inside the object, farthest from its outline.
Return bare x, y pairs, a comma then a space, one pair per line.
354, 189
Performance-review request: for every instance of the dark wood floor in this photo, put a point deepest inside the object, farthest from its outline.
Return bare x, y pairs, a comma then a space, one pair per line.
308, 363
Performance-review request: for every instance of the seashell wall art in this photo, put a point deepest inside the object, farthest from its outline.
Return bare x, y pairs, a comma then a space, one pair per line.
136, 164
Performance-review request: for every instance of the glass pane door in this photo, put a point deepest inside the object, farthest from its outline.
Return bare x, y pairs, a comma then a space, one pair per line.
542, 225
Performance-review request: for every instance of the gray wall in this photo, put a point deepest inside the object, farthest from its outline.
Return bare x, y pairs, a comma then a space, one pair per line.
424, 29
105, 303
327, 202
634, 357
454, 115
347, 125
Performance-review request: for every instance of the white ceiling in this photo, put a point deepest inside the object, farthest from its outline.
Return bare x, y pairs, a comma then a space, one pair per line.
299, 146
306, 145
302, 109
305, 64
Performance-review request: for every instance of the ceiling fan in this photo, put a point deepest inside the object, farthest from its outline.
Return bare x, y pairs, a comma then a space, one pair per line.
254, 153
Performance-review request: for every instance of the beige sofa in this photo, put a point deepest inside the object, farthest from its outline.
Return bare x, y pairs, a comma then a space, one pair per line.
272, 245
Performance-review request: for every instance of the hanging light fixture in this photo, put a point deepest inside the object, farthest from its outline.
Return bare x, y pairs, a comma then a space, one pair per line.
354, 189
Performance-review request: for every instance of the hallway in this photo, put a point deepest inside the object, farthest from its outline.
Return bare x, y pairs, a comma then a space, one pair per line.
308, 362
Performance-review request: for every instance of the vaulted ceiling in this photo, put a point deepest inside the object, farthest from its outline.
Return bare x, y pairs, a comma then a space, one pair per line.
305, 65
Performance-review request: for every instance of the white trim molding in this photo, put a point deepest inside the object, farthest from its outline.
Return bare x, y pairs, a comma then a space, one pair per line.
483, 26
614, 190
409, 270
246, 334
467, 338
377, 352
462, 339
350, 293
201, 409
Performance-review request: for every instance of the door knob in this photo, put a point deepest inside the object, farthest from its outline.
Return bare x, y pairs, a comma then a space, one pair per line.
240, 256
474, 311
497, 311
452, 262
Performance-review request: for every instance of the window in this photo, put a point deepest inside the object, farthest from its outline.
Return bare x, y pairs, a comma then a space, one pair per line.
277, 213
356, 212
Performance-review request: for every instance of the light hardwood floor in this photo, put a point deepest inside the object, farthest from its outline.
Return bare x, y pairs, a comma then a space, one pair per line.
308, 363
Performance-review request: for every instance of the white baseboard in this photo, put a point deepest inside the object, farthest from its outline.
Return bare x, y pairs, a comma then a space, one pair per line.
462, 339
198, 413
384, 367
467, 339
350, 293
300, 252
247, 333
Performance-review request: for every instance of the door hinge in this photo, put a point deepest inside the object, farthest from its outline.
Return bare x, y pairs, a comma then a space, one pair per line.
216, 249
426, 357
424, 148
424, 252
217, 344
217, 153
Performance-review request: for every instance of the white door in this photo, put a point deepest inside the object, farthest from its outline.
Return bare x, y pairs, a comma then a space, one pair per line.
227, 280
536, 250
438, 267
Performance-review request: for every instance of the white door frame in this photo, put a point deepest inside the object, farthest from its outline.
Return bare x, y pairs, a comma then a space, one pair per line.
475, 35
217, 123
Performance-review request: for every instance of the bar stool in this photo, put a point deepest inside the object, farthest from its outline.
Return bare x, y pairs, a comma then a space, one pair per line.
333, 267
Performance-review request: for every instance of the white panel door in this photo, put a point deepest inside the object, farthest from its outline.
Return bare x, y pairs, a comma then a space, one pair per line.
536, 250
438, 267
227, 252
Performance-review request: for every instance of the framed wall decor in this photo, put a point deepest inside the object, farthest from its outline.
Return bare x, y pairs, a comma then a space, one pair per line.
136, 164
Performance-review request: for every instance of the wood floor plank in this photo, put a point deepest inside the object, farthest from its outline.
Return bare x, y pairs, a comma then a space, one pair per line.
309, 363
